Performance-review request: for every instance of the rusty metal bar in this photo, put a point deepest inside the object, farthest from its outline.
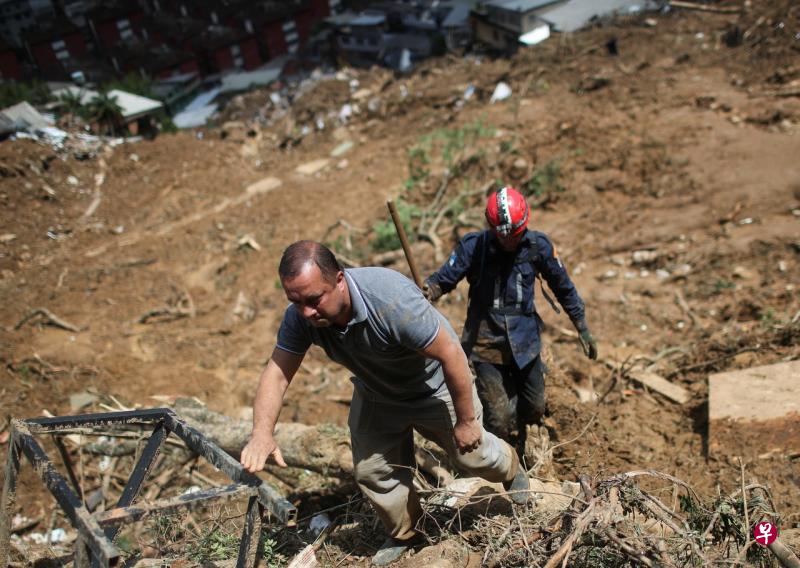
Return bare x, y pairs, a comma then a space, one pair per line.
270, 498
140, 472
252, 526
127, 418
9, 494
102, 549
62, 450
123, 515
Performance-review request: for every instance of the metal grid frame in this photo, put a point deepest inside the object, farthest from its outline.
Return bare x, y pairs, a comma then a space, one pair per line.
96, 532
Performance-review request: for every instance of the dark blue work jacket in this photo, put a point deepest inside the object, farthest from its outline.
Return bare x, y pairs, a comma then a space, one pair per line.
502, 324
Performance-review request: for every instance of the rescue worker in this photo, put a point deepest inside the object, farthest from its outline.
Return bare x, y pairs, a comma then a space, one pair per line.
501, 334
410, 374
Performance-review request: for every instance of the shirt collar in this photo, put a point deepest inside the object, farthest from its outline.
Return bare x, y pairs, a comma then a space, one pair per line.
357, 303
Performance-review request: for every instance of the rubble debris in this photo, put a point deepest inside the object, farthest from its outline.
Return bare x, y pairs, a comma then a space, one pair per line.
312, 168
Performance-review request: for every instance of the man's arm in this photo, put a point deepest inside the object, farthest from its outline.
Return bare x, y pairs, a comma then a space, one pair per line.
562, 286
451, 272
272, 386
457, 376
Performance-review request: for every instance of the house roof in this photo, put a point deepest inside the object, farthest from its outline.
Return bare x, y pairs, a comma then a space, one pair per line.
458, 16
520, 5
86, 94
134, 106
23, 116
575, 14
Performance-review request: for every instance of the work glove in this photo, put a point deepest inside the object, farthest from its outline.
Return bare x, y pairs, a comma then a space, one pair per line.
588, 343
431, 290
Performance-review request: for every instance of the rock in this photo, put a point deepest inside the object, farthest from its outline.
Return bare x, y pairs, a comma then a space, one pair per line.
311, 168
342, 149
263, 185
7, 237
743, 273
361, 94
519, 168
80, 400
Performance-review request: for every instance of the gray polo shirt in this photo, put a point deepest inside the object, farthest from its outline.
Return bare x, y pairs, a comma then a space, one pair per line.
381, 344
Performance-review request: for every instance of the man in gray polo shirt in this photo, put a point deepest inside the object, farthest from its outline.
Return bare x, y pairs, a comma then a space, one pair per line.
410, 374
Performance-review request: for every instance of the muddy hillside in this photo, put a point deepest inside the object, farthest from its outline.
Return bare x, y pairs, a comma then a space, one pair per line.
667, 176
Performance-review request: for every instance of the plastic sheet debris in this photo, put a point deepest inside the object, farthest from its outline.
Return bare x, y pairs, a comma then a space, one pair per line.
501, 92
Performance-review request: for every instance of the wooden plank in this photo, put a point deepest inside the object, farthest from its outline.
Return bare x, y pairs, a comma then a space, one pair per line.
661, 385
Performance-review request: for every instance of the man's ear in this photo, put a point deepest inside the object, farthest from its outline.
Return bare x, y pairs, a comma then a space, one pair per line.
339, 278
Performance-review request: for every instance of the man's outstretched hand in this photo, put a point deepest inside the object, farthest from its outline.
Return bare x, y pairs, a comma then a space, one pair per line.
258, 450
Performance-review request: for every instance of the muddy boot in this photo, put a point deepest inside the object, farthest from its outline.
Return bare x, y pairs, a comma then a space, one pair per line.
519, 486
392, 549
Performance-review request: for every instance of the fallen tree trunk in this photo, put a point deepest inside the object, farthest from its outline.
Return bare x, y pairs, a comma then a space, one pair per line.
324, 448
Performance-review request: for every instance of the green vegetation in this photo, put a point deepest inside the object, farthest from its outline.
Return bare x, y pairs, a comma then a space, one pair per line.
36, 93
105, 110
547, 179
445, 144
721, 285
215, 545
132, 83
385, 235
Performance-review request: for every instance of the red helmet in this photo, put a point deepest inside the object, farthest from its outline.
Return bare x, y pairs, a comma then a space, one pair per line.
507, 212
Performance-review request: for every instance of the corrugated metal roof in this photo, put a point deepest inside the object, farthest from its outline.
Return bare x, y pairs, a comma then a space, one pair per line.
576, 14
24, 116
458, 16
134, 105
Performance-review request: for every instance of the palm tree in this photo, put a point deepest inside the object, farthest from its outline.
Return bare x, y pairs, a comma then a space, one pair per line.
72, 104
105, 111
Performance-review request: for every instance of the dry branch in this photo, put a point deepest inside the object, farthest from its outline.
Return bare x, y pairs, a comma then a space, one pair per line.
49, 318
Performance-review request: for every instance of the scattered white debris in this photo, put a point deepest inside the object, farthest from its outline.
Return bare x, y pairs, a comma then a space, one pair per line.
134, 157
72, 180
501, 92
311, 168
7, 237
662, 274
51, 537
104, 463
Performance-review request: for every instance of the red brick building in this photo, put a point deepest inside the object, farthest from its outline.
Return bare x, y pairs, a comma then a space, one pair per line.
116, 24
10, 67
53, 49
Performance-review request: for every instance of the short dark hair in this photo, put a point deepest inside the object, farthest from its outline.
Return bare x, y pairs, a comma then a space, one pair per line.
298, 255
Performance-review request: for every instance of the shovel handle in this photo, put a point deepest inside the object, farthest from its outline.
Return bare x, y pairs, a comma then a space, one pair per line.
401, 232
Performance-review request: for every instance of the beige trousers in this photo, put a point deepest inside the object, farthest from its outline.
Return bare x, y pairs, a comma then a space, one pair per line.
383, 453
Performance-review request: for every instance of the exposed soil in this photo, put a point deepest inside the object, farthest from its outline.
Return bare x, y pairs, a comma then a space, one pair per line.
679, 147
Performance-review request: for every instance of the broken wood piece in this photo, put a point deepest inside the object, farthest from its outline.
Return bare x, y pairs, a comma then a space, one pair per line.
307, 557
784, 554
49, 319
661, 385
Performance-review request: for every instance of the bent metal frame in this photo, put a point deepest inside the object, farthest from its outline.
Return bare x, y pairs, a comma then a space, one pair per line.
96, 532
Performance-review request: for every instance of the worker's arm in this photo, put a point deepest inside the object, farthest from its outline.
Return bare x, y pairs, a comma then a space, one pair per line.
447, 350
272, 386
452, 271
562, 286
